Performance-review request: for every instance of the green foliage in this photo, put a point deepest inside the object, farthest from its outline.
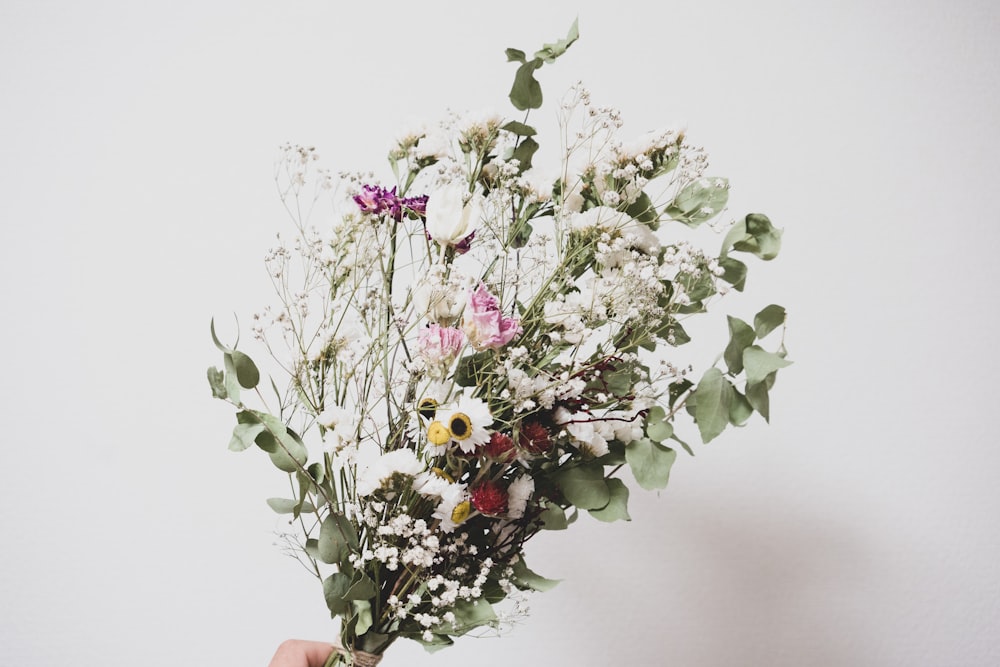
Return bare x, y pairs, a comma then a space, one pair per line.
715, 393
553, 517
658, 427
337, 539
650, 463
289, 506
526, 93
753, 234
335, 589
584, 486
741, 336
760, 363
617, 507
699, 201
768, 320
528, 580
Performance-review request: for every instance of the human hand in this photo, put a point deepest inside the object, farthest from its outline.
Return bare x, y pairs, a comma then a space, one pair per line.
301, 653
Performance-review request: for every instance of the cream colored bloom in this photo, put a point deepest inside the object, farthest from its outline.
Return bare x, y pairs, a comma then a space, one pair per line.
450, 217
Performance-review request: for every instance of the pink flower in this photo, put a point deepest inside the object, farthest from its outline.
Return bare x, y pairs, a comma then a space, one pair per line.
440, 345
484, 324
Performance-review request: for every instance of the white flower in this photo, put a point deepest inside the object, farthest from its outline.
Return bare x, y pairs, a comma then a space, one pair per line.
518, 494
373, 470
450, 219
466, 425
454, 507
340, 428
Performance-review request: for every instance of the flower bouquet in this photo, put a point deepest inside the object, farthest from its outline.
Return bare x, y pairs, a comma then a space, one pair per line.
481, 349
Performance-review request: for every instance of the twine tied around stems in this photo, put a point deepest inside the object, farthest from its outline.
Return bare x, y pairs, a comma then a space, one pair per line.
357, 658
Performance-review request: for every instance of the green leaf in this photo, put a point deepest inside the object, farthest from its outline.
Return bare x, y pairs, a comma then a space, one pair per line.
526, 93
643, 210
759, 400
678, 389
244, 435
312, 548
549, 52
286, 449
739, 409
768, 320
246, 370
334, 589
584, 486
741, 336
515, 55
217, 381
617, 507
734, 272
230, 379
471, 367
650, 463
317, 472
520, 129
288, 505
699, 201
714, 394
754, 234
553, 517
469, 614
363, 616
215, 339
337, 539
760, 363
524, 152
363, 588
526, 579
658, 428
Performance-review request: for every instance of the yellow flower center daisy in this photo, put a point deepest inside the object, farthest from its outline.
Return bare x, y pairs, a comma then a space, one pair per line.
427, 407
438, 433
460, 426
461, 511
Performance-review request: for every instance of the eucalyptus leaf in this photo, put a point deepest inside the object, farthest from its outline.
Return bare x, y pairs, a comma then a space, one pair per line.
526, 148
334, 589
549, 52
526, 579
230, 380
553, 517
754, 234
469, 615
363, 588
739, 409
520, 129
658, 428
288, 505
244, 435
363, 616
246, 370
699, 201
526, 92
617, 507
337, 538
758, 397
217, 381
714, 394
769, 319
650, 463
741, 336
643, 210
760, 363
215, 339
289, 453
734, 272
584, 486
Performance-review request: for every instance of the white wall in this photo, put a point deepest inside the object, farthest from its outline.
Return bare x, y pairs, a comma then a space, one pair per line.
136, 149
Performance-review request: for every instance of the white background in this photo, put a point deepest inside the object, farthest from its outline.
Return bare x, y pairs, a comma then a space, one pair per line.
136, 149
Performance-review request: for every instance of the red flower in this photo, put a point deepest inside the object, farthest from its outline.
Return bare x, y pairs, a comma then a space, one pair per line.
534, 438
500, 447
489, 498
